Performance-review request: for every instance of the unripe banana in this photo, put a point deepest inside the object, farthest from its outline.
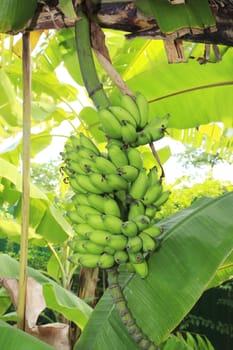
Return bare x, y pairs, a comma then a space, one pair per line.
129, 104
109, 250
111, 207
85, 210
75, 258
100, 237
75, 166
139, 186
128, 172
128, 132
100, 182
104, 166
80, 199
85, 153
110, 124
86, 142
129, 228
75, 141
89, 260
135, 158
116, 182
71, 156
113, 224
118, 242
106, 261
153, 134
143, 138
84, 182
148, 243
143, 107
121, 256
75, 217
141, 269
162, 199
77, 245
134, 244
87, 165
152, 194
142, 222
122, 114
83, 229
96, 201
153, 176
150, 211
136, 208
158, 122
96, 221
92, 248
136, 258
75, 185
117, 156
153, 231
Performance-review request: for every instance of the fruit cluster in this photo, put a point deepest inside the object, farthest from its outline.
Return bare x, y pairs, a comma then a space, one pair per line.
115, 198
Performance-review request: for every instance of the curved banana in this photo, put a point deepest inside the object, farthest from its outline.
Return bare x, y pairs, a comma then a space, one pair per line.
84, 182
116, 182
89, 260
86, 142
141, 269
162, 199
112, 224
118, 242
100, 237
106, 261
136, 208
143, 107
77, 245
96, 201
75, 185
111, 207
148, 243
83, 229
92, 248
104, 166
117, 156
75, 166
143, 138
96, 221
85, 210
136, 258
129, 228
87, 165
130, 105
100, 182
75, 141
139, 186
151, 211
75, 218
152, 194
134, 244
123, 115
128, 172
153, 231
110, 124
153, 176
135, 158
128, 132
80, 199
142, 222
121, 256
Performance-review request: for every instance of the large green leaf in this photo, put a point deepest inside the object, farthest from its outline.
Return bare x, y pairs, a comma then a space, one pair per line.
62, 300
197, 242
12, 338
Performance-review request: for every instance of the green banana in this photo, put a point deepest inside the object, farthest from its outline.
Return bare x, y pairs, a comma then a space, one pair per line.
129, 228
130, 105
75, 186
116, 182
92, 248
151, 211
143, 107
77, 246
139, 186
75, 166
86, 142
113, 224
106, 261
136, 208
117, 156
71, 155
100, 237
152, 193
153, 176
143, 138
123, 115
75, 258
89, 260
109, 250
153, 134
142, 222
136, 258
74, 217
96, 221
100, 182
128, 172
117, 242
75, 141
153, 231
134, 244
121, 256
128, 132
111, 207
85, 210
87, 165
96, 201
141, 269
83, 229
158, 122
162, 199
148, 243
84, 182
80, 199
104, 166
135, 158
110, 124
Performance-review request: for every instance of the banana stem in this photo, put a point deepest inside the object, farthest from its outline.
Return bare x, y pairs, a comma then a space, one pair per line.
121, 306
155, 154
86, 62
26, 181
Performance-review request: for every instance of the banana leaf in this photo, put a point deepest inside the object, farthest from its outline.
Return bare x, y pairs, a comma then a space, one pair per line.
12, 338
197, 241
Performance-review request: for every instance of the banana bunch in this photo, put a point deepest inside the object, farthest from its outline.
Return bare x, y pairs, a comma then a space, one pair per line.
129, 122
115, 198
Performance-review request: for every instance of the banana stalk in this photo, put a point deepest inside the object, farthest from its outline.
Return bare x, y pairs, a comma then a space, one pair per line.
86, 61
